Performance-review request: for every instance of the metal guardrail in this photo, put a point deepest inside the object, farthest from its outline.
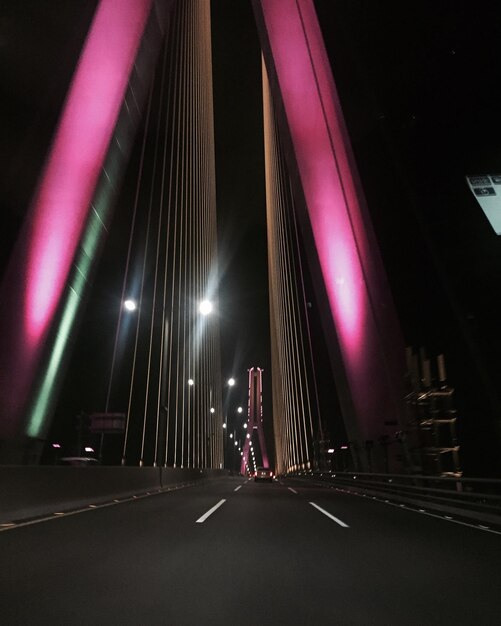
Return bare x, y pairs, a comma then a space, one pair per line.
478, 498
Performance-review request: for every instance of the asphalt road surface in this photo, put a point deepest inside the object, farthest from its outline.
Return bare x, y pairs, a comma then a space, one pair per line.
243, 553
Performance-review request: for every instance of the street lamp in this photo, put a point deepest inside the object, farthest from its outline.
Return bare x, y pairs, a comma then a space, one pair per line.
130, 305
231, 382
191, 382
206, 307
240, 410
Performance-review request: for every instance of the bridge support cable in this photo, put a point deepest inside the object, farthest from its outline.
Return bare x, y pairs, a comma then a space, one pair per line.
295, 400
174, 415
157, 258
126, 277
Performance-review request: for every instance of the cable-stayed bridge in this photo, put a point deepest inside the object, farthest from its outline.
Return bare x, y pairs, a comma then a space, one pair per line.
167, 536
158, 86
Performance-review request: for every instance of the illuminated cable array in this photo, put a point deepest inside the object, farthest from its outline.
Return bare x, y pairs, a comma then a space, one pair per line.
295, 404
174, 405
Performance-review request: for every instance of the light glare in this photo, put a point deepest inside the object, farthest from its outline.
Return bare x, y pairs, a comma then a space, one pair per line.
205, 307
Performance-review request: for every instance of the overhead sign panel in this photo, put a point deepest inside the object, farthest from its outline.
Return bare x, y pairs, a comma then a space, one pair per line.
487, 191
107, 422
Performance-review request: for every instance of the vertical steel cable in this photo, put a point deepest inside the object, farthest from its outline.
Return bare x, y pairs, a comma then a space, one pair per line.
164, 321
129, 248
183, 268
136, 340
157, 258
197, 252
177, 228
126, 272
293, 372
172, 208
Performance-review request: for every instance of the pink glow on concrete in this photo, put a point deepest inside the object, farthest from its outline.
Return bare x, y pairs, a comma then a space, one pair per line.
42, 258
78, 153
324, 189
358, 296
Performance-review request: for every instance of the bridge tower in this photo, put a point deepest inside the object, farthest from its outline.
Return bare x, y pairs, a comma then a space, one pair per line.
254, 419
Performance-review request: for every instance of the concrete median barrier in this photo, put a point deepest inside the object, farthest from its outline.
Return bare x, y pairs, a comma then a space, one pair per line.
27, 492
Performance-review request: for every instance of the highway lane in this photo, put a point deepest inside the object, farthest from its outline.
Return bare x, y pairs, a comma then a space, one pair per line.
265, 555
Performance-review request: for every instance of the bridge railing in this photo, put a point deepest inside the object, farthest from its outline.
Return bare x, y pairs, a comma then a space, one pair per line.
472, 498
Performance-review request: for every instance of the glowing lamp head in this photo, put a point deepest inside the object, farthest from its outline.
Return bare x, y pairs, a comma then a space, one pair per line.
206, 307
231, 382
240, 410
191, 382
130, 305
212, 409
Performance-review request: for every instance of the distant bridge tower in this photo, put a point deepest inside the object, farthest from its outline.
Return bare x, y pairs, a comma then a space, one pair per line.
255, 420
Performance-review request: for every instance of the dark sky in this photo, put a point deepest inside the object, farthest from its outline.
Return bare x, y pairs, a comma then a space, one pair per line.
240, 184
419, 84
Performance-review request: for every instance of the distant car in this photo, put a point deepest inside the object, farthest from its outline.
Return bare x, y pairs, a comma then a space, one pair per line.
263, 473
78, 460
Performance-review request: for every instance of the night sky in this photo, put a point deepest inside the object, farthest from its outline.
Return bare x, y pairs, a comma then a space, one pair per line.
419, 84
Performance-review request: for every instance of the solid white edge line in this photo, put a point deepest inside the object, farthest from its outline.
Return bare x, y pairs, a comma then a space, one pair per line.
335, 519
202, 519
291, 489
435, 515
52, 516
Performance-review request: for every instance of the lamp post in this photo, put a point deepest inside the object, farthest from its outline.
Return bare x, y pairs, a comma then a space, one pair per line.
228, 460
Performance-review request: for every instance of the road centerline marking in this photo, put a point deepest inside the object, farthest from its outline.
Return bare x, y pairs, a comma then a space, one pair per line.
291, 489
202, 519
237, 488
332, 517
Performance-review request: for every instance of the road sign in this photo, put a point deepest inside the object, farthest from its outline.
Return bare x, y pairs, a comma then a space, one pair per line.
487, 192
107, 422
